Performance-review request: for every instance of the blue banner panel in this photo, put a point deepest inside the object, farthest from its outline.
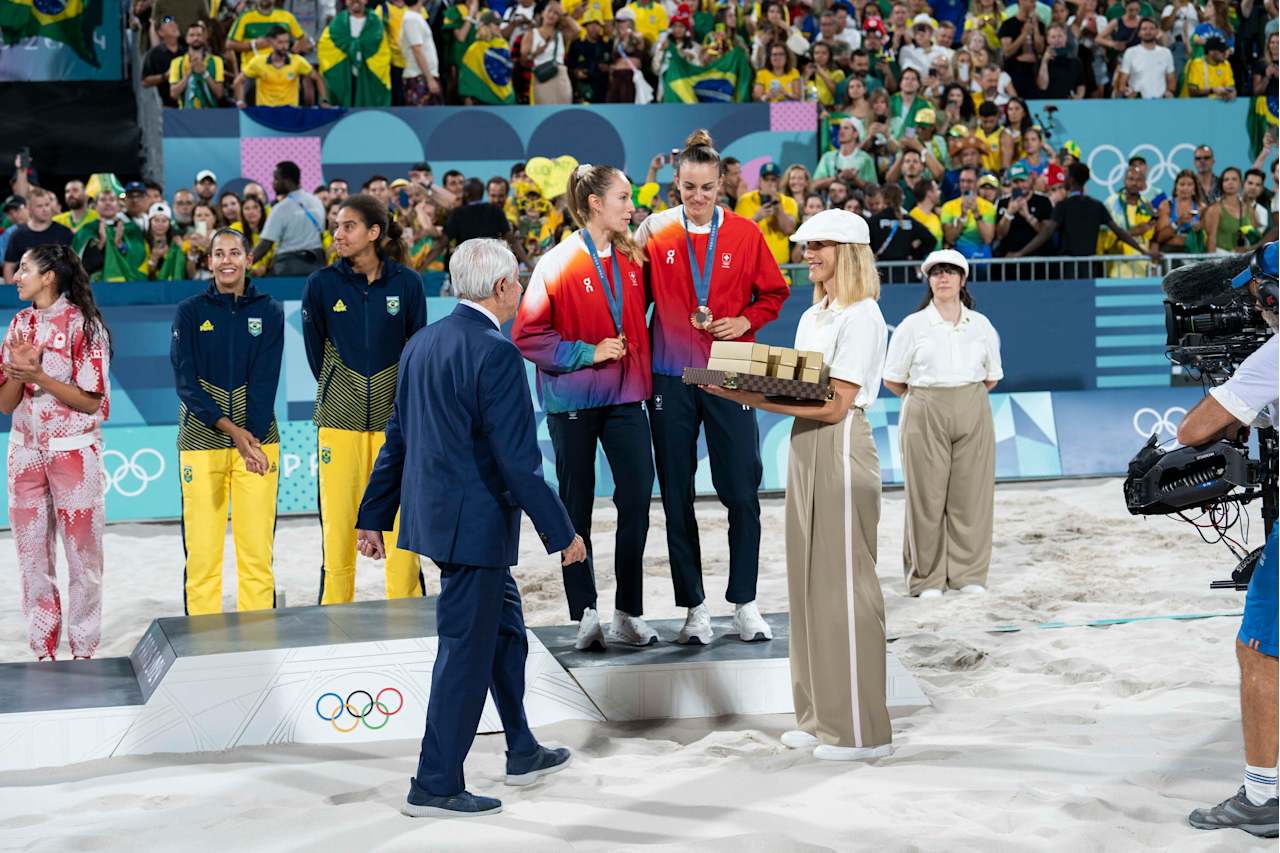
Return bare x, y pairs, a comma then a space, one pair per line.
1100, 431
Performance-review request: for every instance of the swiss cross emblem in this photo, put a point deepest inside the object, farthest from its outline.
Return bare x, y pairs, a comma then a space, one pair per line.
725, 260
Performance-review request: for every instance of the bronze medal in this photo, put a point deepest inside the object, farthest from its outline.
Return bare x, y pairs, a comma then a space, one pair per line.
701, 318
623, 338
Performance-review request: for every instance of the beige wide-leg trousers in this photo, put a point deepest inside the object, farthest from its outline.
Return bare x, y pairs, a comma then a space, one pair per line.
948, 444
837, 611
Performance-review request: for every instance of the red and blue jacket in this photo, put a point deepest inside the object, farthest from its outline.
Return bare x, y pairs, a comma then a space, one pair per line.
565, 313
745, 282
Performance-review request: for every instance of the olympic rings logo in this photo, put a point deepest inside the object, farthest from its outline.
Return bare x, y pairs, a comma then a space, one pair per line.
130, 476
360, 713
1148, 421
1107, 165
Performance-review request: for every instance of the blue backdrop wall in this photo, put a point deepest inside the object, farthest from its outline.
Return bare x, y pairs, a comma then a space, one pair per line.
1086, 382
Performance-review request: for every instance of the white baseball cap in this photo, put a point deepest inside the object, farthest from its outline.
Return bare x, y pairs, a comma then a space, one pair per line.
837, 226
206, 173
945, 256
160, 209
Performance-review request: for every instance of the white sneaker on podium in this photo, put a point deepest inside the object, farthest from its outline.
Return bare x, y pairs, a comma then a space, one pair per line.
931, 593
590, 635
974, 589
796, 739
697, 627
827, 752
631, 630
749, 625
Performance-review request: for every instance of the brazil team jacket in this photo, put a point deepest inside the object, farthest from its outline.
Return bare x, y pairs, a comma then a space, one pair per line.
745, 282
354, 332
226, 352
565, 313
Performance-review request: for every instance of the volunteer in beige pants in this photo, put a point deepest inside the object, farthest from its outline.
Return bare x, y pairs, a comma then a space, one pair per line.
833, 504
945, 358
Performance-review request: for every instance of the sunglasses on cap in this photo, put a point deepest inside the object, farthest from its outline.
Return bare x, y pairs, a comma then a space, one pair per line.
168, 19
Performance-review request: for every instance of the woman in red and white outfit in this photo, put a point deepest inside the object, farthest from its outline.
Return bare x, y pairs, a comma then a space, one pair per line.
54, 384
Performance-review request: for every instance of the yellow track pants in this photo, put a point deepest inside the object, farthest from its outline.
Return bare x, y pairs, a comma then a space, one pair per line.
346, 461
211, 479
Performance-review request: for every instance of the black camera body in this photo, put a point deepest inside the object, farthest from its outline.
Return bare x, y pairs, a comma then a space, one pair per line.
1214, 338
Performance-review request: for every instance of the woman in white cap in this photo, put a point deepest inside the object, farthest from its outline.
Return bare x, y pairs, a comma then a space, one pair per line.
945, 358
833, 503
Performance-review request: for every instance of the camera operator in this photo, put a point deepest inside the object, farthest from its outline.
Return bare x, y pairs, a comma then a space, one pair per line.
1239, 402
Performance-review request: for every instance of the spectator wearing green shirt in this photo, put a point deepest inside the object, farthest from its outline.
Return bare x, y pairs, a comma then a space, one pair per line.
849, 163
969, 222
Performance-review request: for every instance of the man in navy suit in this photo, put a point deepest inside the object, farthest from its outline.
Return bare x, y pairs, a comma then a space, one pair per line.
461, 460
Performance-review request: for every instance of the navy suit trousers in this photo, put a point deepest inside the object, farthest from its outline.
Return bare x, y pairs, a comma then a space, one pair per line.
482, 647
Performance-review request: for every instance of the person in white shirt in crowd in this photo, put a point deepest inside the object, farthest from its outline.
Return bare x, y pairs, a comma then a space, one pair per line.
1146, 69
1179, 20
923, 52
847, 29
517, 19
421, 63
945, 358
837, 641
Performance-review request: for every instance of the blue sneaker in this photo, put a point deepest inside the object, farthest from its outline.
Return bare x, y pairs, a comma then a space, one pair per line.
421, 804
527, 769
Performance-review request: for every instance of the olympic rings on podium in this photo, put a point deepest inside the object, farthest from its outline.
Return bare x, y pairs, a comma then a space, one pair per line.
360, 713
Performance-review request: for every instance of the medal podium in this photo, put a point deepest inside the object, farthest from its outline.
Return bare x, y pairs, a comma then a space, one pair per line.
361, 672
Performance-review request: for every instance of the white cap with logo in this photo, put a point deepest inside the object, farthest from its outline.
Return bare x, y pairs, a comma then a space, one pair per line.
836, 226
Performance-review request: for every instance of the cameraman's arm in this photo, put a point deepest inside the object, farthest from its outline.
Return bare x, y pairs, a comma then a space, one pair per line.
1208, 421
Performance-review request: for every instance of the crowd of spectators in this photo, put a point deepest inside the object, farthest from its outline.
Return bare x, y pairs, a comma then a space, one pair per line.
990, 193
839, 53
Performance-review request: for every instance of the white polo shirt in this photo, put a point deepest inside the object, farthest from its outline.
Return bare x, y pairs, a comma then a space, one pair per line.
928, 352
1252, 388
852, 340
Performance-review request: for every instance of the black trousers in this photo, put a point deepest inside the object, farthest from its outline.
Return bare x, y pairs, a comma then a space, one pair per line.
623, 431
733, 445
397, 86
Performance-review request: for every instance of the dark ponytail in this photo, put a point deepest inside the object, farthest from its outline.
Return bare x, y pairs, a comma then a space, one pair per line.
73, 282
374, 212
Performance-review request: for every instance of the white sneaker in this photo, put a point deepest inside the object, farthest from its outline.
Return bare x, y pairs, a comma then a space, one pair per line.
974, 589
631, 630
697, 627
796, 739
931, 593
590, 635
827, 752
749, 625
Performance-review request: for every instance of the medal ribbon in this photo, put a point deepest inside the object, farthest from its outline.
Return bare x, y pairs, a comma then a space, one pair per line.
701, 277
612, 289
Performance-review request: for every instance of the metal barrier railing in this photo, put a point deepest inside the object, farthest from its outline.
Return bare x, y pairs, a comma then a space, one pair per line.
1032, 269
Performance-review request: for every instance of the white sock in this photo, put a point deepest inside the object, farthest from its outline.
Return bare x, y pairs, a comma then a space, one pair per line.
1259, 784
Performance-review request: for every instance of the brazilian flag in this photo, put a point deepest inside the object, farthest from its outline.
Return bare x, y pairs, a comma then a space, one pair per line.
71, 22
1262, 117
486, 72
338, 50
725, 81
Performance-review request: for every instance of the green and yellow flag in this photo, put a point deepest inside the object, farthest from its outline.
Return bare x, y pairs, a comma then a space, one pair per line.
356, 71
71, 22
725, 81
1262, 117
485, 73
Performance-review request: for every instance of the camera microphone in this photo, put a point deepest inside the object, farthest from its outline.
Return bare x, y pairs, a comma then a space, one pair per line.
1196, 284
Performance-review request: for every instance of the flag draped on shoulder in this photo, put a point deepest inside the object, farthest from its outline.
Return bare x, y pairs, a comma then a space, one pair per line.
485, 73
725, 81
1262, 117
71, 22
356, 70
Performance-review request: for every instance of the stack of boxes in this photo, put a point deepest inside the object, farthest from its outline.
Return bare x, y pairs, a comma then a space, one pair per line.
763, 360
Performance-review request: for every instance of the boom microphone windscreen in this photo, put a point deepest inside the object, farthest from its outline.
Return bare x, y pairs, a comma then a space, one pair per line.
1196, 284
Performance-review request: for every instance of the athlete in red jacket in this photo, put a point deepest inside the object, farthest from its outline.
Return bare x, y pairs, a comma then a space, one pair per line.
712, 278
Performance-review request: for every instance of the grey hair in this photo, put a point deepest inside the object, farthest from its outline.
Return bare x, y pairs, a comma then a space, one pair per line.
477, 265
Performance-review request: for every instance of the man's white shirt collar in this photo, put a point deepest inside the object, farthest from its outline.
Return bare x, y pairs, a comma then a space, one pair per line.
493, 318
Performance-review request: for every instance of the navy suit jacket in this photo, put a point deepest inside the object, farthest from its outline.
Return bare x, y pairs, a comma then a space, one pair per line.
461, 458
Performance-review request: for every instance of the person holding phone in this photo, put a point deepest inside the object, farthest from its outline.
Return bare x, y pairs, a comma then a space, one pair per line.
943, 360
773, 212
1020, 215
582, 323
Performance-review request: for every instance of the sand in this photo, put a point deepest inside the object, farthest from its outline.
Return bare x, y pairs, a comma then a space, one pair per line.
1042, 739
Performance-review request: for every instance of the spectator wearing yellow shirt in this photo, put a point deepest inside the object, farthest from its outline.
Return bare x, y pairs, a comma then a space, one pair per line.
773, 212
597, 10
826, 77
969, 222
779, 80
394, 16
651, 19
279, 76
248, 35
1138, 218
1210, 76
196, 78
925, 211
987, 133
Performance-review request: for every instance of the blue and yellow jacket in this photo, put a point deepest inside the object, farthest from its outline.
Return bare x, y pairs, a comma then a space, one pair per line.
226, 353
354, 332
